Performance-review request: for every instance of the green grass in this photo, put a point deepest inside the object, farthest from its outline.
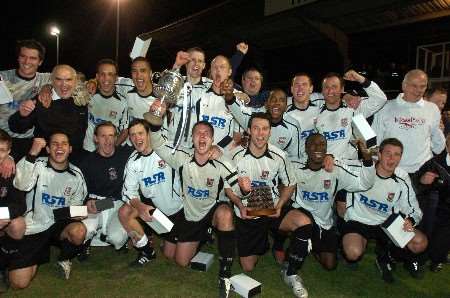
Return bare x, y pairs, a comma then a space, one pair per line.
106, 274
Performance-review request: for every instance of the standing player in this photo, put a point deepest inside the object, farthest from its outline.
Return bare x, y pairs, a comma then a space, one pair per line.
334, 119
367, 210
52, 183
149, 183
202, 180
107, 104
24, 82
285, 131
62, 115
194, 59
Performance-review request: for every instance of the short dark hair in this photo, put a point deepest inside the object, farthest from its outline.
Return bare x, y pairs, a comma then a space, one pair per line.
206, 123
142, 59
252, 68
196, 49
136, 121
104, 124
31, 44
107, 61
313, 135
302, 74
391, 141
332, 75
5, 138
259, 115
57, 132
276, 90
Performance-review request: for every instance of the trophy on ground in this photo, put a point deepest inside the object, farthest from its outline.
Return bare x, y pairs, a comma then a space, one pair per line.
167, 90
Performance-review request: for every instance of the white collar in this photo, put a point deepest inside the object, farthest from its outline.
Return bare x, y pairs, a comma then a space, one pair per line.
447, 159
420, 102
55, 96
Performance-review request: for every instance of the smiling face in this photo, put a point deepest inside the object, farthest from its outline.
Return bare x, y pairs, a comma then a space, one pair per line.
388, 159
141, 75
105, 138
301, 89
439, 99
259, 133
140, 138
195, 67
106, 78
316, 148
331, 91
276, 105
64, 80
29, 62
414, 86
202, 138
58, 150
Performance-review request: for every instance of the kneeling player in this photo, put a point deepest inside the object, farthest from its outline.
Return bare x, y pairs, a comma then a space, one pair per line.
12, 203
52, 183
316, 189
149, 184
366, 211
202, 180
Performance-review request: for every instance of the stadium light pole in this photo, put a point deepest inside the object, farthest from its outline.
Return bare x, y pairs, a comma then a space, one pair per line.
56, 32
117, 30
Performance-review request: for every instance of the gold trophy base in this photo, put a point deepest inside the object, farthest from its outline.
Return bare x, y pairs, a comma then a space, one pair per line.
153, 119
261, 212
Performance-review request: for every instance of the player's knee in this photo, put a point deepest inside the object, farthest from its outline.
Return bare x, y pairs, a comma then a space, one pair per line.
16, 229
182, 262
353, 252
224, 216
77, 234
419, 243
247, 267
19, 284
124, 213
329, 265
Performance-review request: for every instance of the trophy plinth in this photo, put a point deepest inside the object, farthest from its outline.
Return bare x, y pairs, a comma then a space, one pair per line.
260, 202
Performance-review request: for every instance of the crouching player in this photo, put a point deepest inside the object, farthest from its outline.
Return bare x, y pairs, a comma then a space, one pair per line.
202, 179
52, 183
103, 172
314, 200
367, 210
149, 183
12, 203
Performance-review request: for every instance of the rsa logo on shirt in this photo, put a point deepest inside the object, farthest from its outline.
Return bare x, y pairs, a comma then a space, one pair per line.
200, 194
215, 121
53, 201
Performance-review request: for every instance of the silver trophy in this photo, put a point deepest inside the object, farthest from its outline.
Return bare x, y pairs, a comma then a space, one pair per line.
167, 90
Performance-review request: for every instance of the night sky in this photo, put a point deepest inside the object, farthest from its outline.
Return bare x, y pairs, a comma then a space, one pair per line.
88, 28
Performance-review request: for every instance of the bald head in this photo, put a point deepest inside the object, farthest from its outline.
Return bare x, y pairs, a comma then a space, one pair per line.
64, 80
220, 69
414, 85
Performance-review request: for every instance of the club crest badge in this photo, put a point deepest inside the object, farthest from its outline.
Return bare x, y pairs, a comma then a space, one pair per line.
161, 164
344, 122
264, 175
209, 182
67, 191
112, 173
390, 196
113, 114
327, 184
282, 140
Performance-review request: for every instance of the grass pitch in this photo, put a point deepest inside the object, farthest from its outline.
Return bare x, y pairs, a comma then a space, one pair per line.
106, 274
